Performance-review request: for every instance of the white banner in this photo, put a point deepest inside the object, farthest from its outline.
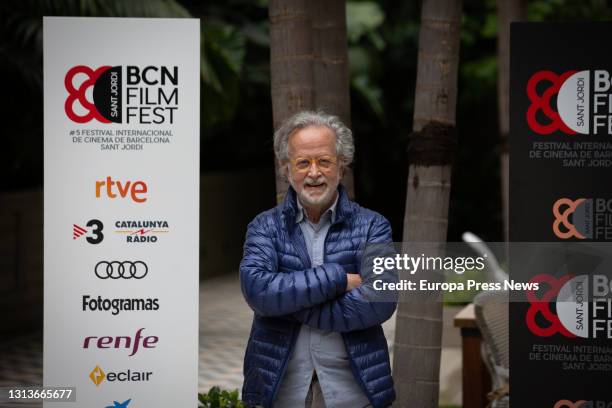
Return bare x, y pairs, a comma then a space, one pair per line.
121, 106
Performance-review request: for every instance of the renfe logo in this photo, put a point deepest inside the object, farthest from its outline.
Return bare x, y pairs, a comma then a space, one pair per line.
136, 189
579, 108
126, 342
150, 94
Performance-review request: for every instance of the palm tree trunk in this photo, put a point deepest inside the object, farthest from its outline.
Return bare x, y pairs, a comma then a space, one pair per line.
417, 347
308, 63
331, 65
507, 12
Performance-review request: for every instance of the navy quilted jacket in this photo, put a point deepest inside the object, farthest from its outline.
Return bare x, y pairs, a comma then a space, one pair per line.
285, 292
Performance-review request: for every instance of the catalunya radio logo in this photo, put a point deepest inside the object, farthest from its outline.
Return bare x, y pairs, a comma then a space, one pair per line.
130, 94
568, 103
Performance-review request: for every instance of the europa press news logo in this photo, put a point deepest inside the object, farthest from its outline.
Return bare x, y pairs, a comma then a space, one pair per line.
572, 316
582, 218
579, 108
122, 94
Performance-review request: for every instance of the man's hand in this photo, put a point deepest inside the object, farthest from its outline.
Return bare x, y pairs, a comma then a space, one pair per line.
353, 281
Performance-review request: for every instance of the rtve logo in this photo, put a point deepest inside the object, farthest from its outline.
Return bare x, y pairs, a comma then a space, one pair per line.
136, 190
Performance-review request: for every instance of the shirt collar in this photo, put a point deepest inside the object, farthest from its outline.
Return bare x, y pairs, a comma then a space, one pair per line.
301, 212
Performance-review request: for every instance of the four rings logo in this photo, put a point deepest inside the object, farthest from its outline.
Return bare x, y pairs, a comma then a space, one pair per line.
583, 218
149, 95
579, 108
121, 270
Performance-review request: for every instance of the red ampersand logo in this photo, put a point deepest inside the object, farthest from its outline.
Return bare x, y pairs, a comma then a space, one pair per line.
569, 404
543, 102
542, 306
562, 218
78, 94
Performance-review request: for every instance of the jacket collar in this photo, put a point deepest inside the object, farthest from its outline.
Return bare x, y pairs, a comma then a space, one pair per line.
331, 211
344, 206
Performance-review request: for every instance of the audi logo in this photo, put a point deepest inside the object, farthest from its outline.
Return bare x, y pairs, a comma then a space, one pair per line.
121, 270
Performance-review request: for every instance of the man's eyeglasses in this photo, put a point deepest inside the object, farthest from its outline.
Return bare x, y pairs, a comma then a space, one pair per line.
324, 163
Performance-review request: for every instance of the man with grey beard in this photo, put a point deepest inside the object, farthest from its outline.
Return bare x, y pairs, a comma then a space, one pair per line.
316, 339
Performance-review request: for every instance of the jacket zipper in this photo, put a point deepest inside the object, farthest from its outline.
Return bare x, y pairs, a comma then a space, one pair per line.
300, 247
284, 366
350, 357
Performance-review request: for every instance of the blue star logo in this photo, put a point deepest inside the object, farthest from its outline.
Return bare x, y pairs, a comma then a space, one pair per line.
123, 404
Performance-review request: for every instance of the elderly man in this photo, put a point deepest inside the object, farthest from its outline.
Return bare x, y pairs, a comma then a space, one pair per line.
316, 338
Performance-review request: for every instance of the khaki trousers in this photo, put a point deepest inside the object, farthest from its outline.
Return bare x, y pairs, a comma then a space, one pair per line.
314, 398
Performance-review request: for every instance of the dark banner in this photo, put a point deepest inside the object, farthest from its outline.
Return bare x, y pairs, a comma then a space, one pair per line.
560, 191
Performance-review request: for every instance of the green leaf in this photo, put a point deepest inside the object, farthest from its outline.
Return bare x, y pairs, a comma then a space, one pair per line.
489, 30
371, 93
223, 51
361, 18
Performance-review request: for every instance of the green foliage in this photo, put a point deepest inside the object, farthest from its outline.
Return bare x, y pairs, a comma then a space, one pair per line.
568, 10
363, 19
21, 26
223, 50
363, 22
217, 398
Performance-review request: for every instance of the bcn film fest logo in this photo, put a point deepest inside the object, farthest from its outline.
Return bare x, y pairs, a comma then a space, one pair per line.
583, 218
148, 96
572, 317
582, 404
579, 110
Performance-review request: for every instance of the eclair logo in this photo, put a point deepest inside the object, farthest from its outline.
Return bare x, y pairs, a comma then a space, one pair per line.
122, 94
567, 103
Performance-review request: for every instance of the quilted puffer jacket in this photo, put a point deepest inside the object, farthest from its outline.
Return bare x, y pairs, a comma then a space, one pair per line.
285, 292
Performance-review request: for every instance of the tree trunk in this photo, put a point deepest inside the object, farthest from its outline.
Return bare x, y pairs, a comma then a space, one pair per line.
417, 347
308, 63
507, 12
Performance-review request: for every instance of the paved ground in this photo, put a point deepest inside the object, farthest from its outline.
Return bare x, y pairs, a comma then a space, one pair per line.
225, 321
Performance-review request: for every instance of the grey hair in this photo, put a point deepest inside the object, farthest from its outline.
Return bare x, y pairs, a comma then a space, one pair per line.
344, 137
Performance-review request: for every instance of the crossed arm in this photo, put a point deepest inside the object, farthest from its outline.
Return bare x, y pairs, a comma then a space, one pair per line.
325, 297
